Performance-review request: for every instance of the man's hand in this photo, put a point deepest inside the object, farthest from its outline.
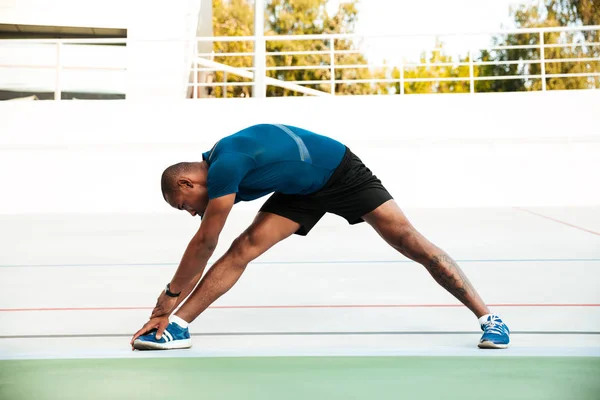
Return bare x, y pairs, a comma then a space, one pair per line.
164, 305
159, 323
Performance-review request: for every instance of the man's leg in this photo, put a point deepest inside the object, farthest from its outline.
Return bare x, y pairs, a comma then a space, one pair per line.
266, 230
393, 226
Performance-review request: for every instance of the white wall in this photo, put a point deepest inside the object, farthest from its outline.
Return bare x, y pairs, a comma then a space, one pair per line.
530, 149
160, 49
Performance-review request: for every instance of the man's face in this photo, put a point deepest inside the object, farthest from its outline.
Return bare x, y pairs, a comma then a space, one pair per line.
190, 197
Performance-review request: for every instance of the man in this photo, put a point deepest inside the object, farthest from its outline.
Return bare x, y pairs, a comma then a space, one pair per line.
310, 175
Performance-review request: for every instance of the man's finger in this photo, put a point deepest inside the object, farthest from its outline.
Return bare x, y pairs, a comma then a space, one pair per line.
135, 336
138, 334
147, 326
161, 329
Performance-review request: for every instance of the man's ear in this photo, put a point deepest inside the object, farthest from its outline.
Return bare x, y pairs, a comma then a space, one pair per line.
185, 182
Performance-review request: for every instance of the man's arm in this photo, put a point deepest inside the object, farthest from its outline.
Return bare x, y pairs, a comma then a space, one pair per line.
197, 253
204, 242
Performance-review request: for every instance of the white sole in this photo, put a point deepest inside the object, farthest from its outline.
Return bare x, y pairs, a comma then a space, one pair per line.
176, 344
491, 345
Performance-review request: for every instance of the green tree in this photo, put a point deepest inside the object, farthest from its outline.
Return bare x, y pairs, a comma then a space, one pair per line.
552, 13
294, 17
439, 66
232, 18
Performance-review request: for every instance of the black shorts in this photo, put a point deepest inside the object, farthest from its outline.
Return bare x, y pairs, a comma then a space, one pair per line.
351, 192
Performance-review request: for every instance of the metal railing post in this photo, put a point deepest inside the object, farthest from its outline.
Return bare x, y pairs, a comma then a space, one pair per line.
332, 66
471, 72
543, 60
260, 57
58, 83
402, 77
195, 71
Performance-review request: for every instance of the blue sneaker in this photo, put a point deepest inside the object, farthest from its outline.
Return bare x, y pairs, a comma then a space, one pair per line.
495, 333
174, 337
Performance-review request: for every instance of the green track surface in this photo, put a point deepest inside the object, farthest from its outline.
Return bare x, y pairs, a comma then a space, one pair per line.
373, 378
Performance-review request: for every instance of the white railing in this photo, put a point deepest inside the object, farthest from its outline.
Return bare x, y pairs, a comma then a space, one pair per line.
61, 65
204, 64
401, 64
215, 66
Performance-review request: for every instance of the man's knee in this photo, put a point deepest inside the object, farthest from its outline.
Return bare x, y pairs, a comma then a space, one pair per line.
401, 236
244, 248
391, 224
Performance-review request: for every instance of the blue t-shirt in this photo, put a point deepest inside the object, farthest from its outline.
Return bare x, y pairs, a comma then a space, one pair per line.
270, 158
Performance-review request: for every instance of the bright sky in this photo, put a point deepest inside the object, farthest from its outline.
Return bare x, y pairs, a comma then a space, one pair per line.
429, 16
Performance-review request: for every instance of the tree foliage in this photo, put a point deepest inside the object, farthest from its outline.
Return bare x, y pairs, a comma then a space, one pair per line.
293, 17
233, 18
443, 74
523, 63
552, 13
521, 66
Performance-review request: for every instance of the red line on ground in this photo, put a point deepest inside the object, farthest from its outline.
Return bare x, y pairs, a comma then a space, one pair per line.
305, 306
557, 220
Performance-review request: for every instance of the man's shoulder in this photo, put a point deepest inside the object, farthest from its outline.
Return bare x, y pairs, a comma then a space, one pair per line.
225, 163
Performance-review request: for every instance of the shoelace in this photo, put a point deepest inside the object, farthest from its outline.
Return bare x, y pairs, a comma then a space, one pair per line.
493, 326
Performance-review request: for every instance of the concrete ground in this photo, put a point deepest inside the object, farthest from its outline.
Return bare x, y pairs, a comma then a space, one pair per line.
78, 286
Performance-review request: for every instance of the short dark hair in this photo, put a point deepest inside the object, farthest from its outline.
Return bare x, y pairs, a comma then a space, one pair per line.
168, 180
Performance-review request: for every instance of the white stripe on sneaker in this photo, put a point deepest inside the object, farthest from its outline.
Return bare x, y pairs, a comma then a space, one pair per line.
168, 336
